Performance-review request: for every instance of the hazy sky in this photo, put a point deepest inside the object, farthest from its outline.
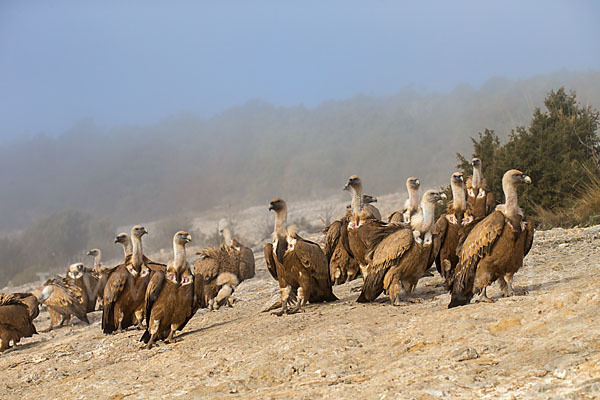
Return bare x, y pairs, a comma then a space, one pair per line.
139, 61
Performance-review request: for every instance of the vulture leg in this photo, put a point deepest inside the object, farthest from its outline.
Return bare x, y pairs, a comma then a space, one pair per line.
171, 338
483, 297
139, 316
507, 287
301, 301
285, 296
151, 341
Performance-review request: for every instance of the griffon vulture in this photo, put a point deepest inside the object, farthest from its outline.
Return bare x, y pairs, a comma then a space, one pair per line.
342, 266
246, 256
300, 265
495, 247
15, 321
171, 297
87, 281
65, 299
481, 200
219, 268
401, 258
126, 287
411, 205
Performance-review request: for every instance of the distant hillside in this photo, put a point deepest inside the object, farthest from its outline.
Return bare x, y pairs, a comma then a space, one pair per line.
251, 153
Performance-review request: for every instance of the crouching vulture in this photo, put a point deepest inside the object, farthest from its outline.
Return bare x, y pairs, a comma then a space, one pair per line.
495, 248
15, 321
299, 265
65, 299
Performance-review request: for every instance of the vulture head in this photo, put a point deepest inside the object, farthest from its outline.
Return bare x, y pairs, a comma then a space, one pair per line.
514, 177
76, 270
412, 183
458, 178
433, 196
138, 231
182, 238
96, 252
354, 182
122, 238
277, 205
476, 163
367, 199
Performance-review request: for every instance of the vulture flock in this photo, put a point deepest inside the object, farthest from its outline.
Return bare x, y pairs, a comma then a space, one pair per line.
472, 244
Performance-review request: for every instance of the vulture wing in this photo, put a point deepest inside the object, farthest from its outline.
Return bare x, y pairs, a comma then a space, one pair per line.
313, 259
113, 289
270, 260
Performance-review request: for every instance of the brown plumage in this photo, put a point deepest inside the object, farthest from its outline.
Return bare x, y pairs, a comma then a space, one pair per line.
411, 205
482, 201
364, 230
87, 281
403, 255
66, 299
123, 303
450, 227
219, 267
32, 302
246, 266
301, 267
342, 266
171, 299
101, 271
495, 247
15, 320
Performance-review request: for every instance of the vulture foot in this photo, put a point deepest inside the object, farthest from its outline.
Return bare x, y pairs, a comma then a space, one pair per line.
483, 298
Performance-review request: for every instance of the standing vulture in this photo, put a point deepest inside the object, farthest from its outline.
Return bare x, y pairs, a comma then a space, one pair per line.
300, 266
411, 205
495, 247
87, 281
15, 321
342, 265
126, 287
171, 296
246, 255
450, 227
65, 299
481, 200
401, 258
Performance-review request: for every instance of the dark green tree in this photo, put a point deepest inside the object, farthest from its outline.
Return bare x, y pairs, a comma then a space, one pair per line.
558, 150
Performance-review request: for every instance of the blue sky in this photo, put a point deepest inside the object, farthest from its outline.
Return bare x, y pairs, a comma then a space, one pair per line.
139, 61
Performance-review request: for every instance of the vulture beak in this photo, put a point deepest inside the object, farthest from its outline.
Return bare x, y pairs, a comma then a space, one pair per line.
347, 187
526, 179
89, 253
188, 238
443, 196
116, 241
271, 207
145, 231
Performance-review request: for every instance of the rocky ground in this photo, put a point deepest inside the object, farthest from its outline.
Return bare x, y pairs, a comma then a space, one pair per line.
545, 344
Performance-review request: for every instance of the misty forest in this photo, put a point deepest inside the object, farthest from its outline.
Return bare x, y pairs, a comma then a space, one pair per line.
74, 191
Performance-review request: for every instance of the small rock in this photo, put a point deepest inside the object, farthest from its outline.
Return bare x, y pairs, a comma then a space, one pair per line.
560, 373
467, 354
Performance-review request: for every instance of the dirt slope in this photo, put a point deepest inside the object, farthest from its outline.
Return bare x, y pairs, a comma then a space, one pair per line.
542, 345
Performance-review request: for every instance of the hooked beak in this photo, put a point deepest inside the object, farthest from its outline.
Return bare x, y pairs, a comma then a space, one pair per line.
347, 187
271, 207
188, 238
526, 179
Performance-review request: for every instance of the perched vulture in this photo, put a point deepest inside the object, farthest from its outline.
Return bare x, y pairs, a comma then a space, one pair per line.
65, 299
342, 266
219, 268
300, 266
87, 281
171, 297
246, 255
482, 201
495, 247
411, 205
15, 321
450, 226
126, 287
124, 240
401, 258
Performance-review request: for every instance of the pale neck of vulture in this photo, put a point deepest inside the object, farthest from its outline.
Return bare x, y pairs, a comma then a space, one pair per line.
476, 179
459, 200
179, 255
357, 203
424, 220
137, 256
227, 236
413, 198
97, 258
511, 206
281, 222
